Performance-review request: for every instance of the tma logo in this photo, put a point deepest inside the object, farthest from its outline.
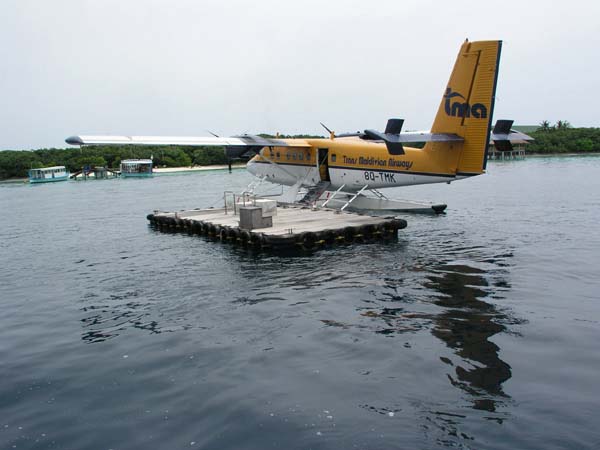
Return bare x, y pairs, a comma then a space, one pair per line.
463, 109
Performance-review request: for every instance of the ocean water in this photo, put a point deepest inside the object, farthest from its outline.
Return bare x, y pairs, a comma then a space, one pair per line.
478, 329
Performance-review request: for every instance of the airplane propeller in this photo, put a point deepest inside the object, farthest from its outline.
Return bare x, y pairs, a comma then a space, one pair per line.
331, 133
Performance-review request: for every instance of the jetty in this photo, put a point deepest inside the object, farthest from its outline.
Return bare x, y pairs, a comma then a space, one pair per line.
264, 224
94, 173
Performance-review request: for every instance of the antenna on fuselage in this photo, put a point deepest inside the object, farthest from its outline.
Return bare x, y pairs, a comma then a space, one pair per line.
331, 133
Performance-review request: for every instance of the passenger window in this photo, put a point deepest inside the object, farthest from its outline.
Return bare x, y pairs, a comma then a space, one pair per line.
294, 156
333, 158
278, 155
300, 156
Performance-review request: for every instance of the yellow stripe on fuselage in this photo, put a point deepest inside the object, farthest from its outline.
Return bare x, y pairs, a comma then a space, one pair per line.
298, 156
354, 153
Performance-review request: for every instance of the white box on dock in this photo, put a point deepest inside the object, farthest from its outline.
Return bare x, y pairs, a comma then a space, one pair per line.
268, 206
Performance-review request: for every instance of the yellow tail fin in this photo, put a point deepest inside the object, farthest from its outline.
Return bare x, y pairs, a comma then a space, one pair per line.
467, 106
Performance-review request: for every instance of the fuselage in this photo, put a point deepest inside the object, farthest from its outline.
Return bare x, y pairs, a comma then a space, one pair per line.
352, 163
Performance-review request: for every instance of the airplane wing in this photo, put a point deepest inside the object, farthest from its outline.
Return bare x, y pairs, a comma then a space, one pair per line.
235, 146
152, 140
243, 140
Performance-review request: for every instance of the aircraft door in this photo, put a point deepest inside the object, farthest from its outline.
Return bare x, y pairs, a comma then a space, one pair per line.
323, 164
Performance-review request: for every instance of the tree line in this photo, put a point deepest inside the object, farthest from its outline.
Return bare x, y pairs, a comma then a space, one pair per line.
558, 138
16, 164
563, 138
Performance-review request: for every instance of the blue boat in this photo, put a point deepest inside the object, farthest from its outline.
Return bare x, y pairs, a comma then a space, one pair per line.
48, 174
136, 168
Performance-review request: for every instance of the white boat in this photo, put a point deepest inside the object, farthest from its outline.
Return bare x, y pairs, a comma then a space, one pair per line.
48, 174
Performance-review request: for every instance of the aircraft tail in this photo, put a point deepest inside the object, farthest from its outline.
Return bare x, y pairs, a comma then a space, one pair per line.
467, 106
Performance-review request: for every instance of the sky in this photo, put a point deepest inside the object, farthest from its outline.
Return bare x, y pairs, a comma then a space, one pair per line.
182, 67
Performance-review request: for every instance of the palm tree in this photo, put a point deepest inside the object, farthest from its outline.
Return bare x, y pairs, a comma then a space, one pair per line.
563, 125
544, 126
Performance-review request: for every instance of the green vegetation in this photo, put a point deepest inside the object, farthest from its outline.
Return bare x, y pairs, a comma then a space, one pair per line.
15, 164
562, 138
558, 138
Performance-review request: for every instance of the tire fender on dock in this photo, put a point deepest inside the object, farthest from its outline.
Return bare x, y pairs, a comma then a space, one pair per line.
349, 234
258, 240
232, 234
368, 232
400, 224
329, 237
222, 234
388, 230
263, 241
197, 226
308, 240
245, 237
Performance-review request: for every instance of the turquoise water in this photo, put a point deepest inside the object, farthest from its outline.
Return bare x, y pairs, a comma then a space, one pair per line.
477, 329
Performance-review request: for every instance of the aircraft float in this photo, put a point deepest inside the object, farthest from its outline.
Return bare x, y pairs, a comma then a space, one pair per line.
340, 171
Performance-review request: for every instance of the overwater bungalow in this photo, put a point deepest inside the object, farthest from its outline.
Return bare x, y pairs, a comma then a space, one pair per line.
136, 168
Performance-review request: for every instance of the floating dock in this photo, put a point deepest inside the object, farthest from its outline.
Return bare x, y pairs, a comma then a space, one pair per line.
94, 173
281, 227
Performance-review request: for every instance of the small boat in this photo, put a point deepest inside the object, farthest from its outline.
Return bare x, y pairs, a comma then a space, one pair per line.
48, 174
136, 168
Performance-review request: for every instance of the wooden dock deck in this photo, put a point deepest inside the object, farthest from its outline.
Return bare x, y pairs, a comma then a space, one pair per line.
293, 227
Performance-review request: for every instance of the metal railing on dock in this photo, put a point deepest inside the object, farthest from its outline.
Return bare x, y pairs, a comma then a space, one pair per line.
232, 200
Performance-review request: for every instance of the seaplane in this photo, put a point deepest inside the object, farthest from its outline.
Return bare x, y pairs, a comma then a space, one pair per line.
351, 169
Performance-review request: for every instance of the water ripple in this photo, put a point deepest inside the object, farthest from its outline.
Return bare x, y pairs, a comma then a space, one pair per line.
461, 334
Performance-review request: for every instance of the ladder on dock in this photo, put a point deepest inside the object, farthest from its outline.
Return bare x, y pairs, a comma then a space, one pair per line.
314, 193
255, 184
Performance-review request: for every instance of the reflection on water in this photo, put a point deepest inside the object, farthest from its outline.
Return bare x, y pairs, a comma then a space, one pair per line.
463, 321
466, 326
262, 301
